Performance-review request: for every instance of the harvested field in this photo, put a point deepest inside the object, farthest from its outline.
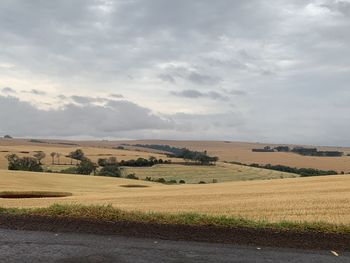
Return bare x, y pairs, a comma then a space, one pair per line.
297, 199
242, 152
91, 152
193, 173
225, 150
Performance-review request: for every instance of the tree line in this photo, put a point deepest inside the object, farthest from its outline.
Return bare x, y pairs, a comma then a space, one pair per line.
304, 172
201, 158
300, 150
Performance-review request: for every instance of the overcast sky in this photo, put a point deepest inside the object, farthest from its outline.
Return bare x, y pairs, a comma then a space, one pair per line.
251, 70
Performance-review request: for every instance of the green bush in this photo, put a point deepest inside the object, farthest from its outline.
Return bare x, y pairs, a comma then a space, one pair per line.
171, 181
70, 170
160, 180
24, 163
86, 167
132, 176
110, 170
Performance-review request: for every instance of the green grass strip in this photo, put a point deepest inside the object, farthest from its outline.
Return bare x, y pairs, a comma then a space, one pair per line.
109, 213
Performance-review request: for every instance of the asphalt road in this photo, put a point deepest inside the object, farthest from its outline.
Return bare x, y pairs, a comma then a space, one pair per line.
35, 246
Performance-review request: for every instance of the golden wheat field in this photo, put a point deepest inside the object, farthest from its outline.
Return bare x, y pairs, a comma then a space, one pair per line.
91, 152
242, 152
298, 199
225, 150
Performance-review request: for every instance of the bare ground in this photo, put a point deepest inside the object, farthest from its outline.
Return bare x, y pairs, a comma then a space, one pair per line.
214, 234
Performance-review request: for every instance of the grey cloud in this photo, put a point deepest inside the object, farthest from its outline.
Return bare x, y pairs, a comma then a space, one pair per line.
116, 96
289, 52
236, 92
37, 92
89, 120
167, 77
62, 97
172, 73
87, 100
342, 7
193, 94
218, 125
203, 79
8, 90
82, 99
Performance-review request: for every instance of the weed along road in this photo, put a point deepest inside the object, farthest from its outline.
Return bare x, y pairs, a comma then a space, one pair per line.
37, 246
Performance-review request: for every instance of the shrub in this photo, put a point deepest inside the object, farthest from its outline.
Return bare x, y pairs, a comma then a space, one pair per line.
110, 170
70, 170
86, 167
132, 176
24, 163
160, 180
182, 182
171, 181
39, 155
202, 182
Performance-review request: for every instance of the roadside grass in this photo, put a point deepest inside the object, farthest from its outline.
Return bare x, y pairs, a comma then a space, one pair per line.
109, 213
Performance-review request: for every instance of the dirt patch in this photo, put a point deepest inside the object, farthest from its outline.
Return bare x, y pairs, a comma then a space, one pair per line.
242, 236
19, 195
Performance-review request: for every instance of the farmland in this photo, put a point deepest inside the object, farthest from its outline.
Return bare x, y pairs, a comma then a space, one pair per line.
222, 172
242, 152
240, 190
225, 150
91, 152
296, 199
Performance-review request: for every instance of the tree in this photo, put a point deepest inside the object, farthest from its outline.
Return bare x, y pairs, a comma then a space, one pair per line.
53, 154
7, 136
110, 170
153, 160
24, 163
58, 158
40, 155
86, 166
102, 162
112, 160
77, 155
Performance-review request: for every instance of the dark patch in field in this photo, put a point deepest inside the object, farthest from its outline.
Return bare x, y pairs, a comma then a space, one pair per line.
19, 195
242, 236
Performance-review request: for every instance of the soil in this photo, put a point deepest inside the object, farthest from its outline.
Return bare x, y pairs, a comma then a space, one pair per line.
241, 236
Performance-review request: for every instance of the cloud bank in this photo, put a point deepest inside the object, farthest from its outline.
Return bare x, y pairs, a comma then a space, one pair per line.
232, 70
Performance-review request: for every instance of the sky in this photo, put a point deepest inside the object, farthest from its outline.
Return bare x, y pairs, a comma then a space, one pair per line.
244, 70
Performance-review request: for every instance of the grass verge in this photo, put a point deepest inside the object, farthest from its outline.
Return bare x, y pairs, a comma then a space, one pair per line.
109, 213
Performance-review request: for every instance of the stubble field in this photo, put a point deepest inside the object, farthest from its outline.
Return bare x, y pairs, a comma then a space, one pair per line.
297, 199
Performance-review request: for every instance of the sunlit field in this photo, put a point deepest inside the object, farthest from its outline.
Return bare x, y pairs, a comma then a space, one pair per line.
93, 153
297, 199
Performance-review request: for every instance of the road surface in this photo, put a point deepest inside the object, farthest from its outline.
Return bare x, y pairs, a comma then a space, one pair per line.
36, 246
